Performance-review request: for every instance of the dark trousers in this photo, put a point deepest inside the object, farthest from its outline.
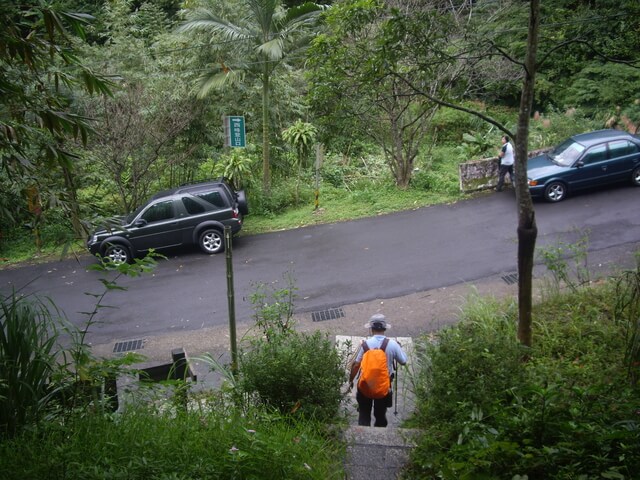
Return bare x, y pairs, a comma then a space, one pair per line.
379, 409
504, 169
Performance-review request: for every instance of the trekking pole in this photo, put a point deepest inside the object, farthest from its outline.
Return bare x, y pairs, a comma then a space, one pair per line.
395, 410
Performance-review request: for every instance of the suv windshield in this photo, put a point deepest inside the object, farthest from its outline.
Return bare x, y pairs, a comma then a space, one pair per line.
566, 153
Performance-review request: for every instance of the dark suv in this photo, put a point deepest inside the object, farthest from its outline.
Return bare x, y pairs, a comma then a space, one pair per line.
187, 215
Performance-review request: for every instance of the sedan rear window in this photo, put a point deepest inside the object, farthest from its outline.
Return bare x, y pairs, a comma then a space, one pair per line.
620, 148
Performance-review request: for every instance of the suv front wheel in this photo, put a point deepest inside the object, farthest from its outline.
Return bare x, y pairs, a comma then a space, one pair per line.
117, 254
211, 241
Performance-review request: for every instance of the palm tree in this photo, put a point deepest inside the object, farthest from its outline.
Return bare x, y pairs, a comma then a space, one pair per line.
267, 35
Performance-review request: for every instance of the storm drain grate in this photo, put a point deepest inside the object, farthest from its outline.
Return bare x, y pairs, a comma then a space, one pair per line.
128, 346
329, 314
510, 279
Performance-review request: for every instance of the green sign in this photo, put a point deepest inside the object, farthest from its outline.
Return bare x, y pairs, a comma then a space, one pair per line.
234, 132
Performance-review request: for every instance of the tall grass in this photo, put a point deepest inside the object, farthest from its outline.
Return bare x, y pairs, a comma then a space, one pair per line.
627, 312
144, 444
28, 336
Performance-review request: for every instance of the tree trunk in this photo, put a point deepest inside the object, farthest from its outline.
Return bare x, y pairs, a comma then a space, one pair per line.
527, 229
74, 206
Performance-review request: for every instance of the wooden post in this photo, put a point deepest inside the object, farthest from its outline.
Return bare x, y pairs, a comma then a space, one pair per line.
319, 158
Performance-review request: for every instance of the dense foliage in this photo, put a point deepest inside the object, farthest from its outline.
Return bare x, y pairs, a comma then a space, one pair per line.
71, 157
570, 411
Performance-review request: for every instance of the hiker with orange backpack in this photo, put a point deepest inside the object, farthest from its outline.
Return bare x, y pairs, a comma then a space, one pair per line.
375, 364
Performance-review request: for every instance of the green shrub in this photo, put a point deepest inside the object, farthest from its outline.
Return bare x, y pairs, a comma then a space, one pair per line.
451, 124
235, 165
273, 308
57, 229
605, 85
349, 172
627, 314
470, 366
570, 411
556, 126
334, 174
28, 346
282, 196
297, 373
436, 180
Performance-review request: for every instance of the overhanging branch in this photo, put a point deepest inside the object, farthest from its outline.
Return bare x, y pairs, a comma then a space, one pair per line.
454, 106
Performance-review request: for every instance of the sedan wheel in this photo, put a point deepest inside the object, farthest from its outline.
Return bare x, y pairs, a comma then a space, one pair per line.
211, 241
117, 254
555, 192
635, 177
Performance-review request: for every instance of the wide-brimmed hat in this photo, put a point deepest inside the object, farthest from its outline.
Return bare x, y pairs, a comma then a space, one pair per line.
378, 322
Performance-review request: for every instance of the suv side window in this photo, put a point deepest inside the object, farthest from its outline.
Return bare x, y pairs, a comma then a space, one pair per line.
214, 198
620, 148
159, 211
192, 206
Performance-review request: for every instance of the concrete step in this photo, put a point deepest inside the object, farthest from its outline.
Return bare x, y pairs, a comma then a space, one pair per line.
377, 453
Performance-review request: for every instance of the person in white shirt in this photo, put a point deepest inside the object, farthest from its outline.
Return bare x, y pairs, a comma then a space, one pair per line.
506, 162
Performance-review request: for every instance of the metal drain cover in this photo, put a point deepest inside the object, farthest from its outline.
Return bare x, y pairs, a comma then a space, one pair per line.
128, 346
329, 314
510, 279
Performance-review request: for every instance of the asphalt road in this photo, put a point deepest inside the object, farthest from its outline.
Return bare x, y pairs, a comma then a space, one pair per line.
333, 265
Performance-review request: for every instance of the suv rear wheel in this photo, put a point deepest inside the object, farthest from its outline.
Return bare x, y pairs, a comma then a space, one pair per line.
211, 241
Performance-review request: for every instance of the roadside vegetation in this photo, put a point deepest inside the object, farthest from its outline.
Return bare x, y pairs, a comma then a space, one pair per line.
571, 411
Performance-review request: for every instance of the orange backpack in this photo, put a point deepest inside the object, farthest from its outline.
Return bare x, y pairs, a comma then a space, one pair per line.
374, 379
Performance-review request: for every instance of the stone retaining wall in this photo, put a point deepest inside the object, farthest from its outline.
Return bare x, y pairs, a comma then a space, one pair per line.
483, 174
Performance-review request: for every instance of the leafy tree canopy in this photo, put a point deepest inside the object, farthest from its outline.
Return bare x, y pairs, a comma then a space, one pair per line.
39, 71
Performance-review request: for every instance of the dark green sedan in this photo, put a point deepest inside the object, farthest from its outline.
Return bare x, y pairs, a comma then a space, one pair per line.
585, 161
